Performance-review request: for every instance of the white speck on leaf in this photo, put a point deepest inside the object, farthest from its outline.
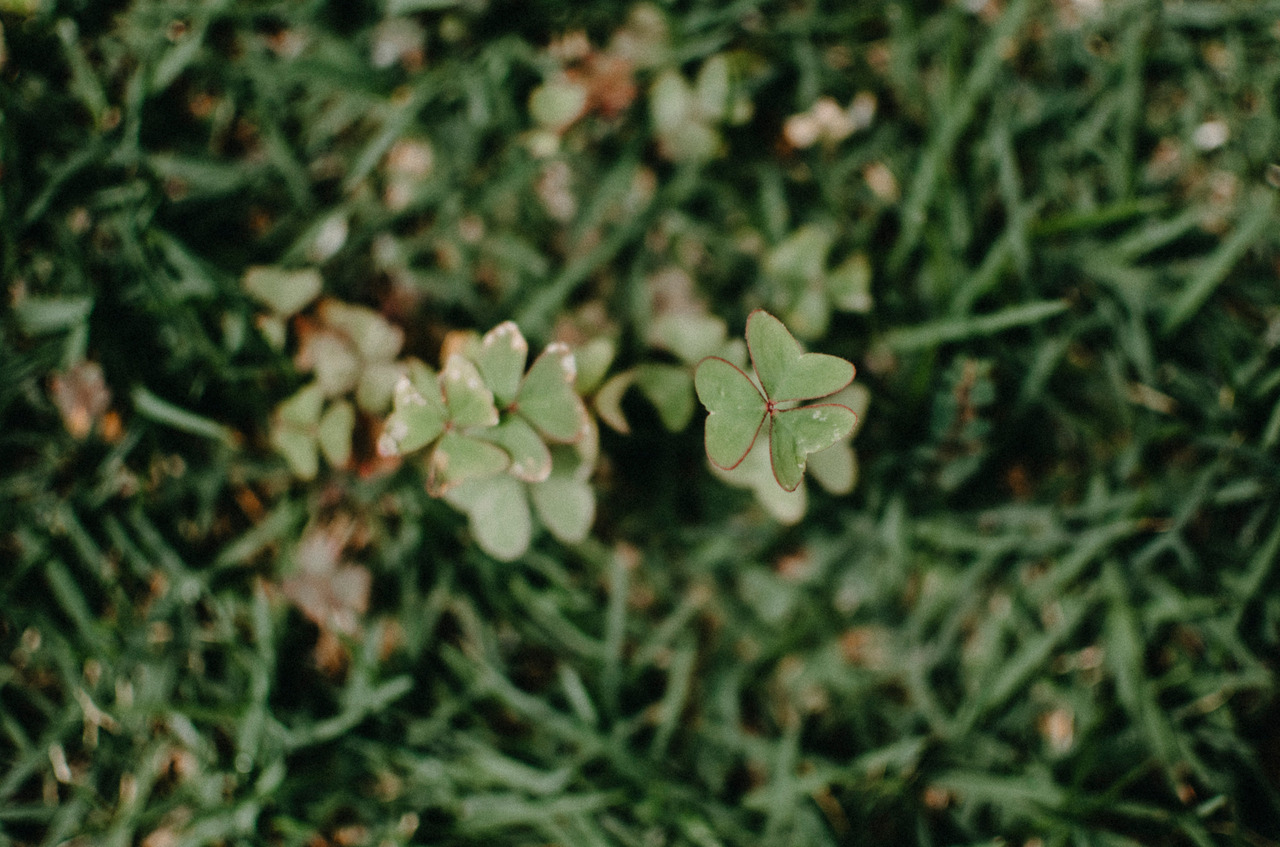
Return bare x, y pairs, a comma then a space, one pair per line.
567, 363
406, 393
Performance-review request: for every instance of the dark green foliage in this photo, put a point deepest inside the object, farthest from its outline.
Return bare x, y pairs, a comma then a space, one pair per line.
1048, 613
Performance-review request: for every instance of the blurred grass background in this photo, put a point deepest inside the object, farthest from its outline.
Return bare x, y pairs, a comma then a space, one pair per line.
1047, 615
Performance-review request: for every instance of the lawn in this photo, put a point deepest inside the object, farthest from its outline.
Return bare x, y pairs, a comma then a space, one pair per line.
249, 595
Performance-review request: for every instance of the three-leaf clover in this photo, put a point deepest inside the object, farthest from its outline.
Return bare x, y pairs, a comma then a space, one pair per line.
740, 408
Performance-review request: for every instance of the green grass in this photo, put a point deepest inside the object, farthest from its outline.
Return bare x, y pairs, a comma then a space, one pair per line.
1047, 615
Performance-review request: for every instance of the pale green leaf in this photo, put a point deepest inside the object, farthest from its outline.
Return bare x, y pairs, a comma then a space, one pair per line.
557, 103
376, 389
578, 458
670, 389
298, 448
711, 90
786, 372
795, 433
419, 414
334, 433
547, 398
810, 314
498, 513
469, 400
756, 474
670, 101
293, 431
690, 335
836, 468
691, 141
500, 358
801, 258
457, 458
735, 407
593, 359
333, 358
849, 285
422, 377
274, 330
284, 292
302, 409
530, 458
855, 397
566, 504
374, 338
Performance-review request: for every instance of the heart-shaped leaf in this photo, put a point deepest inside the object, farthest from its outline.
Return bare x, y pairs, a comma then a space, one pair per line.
795, 433
299, 450
712, 88
530, 458
302, 410
418, 415
293, 431
457, 458
374, 337
333, 358
836, 468
735, 407
285, 292
469, 400
547, 398
670, 102
500, 357
557, 103
593, 358
786, 372
810, 314
691, 335
565, 501
670, 390
566, 505
498, 512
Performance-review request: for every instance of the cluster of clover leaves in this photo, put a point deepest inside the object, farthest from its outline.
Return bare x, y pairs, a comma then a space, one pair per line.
499, 438
504, 441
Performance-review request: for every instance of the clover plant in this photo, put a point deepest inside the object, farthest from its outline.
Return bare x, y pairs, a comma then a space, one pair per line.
500, 438
805, 289
350, 351
504, 444
741, 408
690, 337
